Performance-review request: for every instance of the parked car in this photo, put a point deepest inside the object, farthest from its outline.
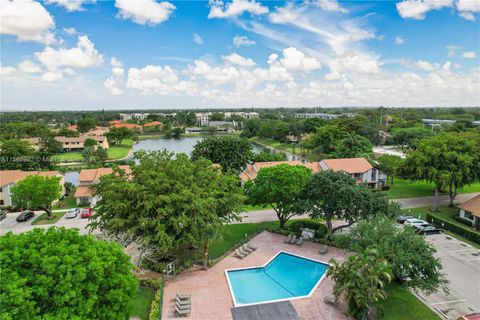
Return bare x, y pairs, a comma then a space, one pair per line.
401, 219
25, 216
86, 213
3, 215
413, 221
426, 228
72, 213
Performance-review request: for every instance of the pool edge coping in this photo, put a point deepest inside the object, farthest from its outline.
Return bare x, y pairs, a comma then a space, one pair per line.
235, 304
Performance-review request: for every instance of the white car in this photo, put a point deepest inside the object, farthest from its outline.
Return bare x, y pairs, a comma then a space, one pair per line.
413, 222
72, 213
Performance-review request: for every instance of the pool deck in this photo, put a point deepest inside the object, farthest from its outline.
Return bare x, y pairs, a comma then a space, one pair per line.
210, 294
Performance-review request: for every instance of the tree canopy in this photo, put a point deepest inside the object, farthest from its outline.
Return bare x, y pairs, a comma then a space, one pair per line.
447, 159
60, 274
116, 135
361, 279
16, 154
335, 195
37, 191
410, 256
391, 165
352, 146
86, 123
167, 202
280, 186
230, 152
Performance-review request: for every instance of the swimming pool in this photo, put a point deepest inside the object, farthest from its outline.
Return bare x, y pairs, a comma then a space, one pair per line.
285, 277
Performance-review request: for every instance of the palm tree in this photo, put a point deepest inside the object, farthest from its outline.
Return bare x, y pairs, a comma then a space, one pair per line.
361, 280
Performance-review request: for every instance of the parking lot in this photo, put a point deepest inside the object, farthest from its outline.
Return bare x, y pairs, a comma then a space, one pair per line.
10, 223
461, 264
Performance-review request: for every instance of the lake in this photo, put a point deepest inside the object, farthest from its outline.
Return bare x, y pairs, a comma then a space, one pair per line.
181, 145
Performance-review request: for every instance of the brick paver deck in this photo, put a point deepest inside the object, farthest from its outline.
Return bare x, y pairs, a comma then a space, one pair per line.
210, 294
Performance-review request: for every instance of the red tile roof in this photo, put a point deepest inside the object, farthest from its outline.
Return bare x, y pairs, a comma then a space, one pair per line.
472, 206
251, 171
126, 125
152, 124
349, 165
13, 176
93, 175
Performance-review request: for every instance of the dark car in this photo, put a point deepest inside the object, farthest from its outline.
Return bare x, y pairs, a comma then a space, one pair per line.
25, 216
3, 215
402, 219
426, 229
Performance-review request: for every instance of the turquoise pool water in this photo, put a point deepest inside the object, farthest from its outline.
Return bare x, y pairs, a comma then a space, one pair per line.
285, 277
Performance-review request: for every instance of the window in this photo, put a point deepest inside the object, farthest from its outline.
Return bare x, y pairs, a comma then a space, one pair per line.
357, 175
467, 215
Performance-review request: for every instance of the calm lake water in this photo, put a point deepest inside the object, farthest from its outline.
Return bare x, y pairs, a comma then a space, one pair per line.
182, 145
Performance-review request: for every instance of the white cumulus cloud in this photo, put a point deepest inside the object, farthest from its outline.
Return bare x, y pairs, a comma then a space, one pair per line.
27, 20
425, 65
144, 12
416, 9
218, 9
70, 5
237, 59
295, 60
27, 66
240, 41
70, 31
161, 80
399, 40
59, 61
330, 5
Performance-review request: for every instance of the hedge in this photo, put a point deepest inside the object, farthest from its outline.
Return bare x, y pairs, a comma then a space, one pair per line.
444, 224
156, 307
320, 228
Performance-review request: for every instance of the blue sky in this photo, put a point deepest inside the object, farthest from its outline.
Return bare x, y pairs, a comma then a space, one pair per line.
64, 54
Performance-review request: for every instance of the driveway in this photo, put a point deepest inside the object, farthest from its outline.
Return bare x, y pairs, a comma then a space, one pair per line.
461, 264
10, 224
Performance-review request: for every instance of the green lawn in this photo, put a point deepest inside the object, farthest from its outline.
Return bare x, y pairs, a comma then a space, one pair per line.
73, 156
141, 303
403, 188
42, 219
251, 207
402, 304
67, 203
120, 151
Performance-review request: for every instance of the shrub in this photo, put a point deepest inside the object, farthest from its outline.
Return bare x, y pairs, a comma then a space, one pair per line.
155, 307
320, 228
461, 231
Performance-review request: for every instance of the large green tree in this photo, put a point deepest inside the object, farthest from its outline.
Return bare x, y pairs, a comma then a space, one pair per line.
391, 165
48, 146
448, 160
335, 195
94, 156
352, 146
37, 191
60, 274
280, 187
86, 123
116, 135
168, 201
16, 154
410, 256
361, 279
231, 152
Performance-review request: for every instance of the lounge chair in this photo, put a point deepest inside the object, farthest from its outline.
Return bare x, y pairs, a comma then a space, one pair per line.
299, 241
182, 312
242, 251
294, 239
246, 248
184, 306
182, 303
183, 296
238, 254
289, 238
324, 249
252, 247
